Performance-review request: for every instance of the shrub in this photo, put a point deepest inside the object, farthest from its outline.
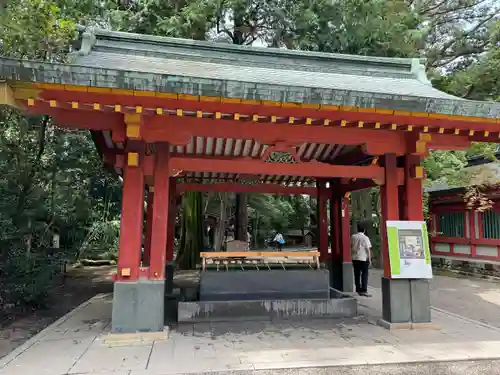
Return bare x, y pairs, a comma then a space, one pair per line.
27, 279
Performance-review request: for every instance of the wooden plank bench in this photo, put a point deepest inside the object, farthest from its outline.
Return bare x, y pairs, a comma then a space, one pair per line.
254, 257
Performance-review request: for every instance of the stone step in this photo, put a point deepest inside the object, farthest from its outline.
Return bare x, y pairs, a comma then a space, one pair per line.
265, 310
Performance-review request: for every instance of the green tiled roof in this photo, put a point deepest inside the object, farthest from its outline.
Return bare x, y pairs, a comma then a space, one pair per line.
151, 63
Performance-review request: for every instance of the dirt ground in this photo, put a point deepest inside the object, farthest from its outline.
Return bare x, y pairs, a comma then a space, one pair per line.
79, 285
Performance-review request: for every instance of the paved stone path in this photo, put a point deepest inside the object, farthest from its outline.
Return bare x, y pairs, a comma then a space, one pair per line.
75, 345
472, 298
79, 285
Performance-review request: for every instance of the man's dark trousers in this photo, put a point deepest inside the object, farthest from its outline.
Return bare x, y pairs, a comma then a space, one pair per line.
361, 275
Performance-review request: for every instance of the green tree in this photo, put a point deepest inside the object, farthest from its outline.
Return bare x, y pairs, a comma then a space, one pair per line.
300, 214
52, 180
480, 81
188, 256
374, 27
456, 32
476, 77
274, 212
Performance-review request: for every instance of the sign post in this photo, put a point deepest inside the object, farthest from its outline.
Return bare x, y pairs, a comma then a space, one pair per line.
409, 252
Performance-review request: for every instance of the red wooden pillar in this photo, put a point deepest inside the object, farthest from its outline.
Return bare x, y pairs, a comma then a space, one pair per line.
172, 212
160, 212
129, 254
390, 206
149, 227
413, 206
341, 222
334, 225
346, 230
322, 220
340, 266
402, 202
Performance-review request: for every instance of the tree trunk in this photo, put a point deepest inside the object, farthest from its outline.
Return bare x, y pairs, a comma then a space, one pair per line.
238, 35
361, 208
256, 232
29, 240
241, 217
241, 214
28, 181
222, 222
188, 256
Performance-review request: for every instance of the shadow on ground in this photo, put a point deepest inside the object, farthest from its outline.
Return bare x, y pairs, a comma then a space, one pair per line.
79, 285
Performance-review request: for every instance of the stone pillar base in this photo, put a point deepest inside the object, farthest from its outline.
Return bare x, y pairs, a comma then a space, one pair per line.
341, 275
406, 301
138, 306
348, 277
414, 326
169, 277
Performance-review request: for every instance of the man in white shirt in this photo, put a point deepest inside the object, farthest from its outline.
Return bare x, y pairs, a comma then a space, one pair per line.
361, 251
280, 241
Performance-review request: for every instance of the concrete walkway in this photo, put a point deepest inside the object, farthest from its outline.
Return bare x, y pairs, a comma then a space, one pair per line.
76, 345
472, 298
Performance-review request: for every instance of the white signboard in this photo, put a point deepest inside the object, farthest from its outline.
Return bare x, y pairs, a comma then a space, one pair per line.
409, 252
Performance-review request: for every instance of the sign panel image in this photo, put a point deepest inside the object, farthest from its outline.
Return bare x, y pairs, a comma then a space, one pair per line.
410, 244
409, 252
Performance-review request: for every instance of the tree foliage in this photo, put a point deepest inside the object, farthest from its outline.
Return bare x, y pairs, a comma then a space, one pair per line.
35, 29
51, 179
456, 32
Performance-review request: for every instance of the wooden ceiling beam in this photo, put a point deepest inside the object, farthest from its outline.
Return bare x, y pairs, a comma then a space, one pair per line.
258, 167
240, 188
165, 129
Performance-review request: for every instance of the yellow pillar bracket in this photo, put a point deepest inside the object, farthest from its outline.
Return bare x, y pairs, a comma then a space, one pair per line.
418, 172
133, 159
421, 144
7, 95
133, 122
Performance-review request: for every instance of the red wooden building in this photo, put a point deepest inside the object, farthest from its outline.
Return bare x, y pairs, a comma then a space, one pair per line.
172, 115
459, 231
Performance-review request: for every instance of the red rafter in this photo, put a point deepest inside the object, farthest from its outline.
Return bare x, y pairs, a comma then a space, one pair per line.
367, 117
